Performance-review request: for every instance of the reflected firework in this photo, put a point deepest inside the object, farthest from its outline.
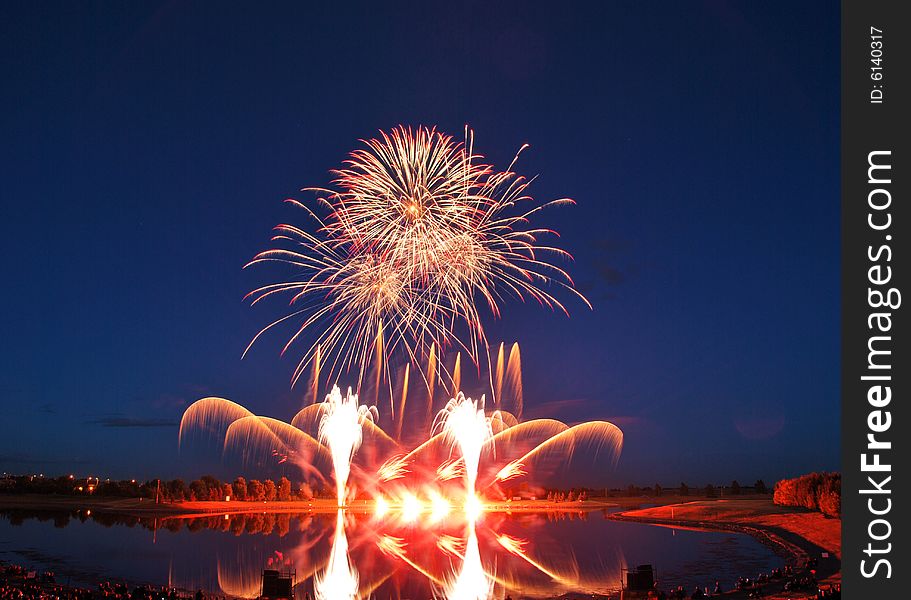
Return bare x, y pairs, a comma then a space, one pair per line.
354, 556
339, 580
471, 582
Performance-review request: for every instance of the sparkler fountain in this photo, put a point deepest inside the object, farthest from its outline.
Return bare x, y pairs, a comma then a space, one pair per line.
341, 429
464, 424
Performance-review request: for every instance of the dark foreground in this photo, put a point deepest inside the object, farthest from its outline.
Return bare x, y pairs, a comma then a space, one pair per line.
20, 583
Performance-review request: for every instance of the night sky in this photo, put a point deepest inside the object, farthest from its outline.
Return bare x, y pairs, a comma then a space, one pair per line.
147, 150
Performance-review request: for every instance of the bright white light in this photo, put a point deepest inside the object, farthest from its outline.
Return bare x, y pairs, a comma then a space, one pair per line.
339, 580
381, 507
439, 507
472, 582
340, 429
465, 425
473, 508
411, 508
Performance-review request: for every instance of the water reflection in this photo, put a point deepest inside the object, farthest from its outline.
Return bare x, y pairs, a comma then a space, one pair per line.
471, 582
338, 581
357, 554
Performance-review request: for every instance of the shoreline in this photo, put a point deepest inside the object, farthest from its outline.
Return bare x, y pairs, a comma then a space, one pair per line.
144, 507
763, 523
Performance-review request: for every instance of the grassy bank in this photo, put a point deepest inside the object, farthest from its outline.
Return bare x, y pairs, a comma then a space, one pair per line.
147, 507
798, 533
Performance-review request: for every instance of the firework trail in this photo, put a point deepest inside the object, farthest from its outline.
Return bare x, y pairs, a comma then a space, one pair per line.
342, 440
420, 233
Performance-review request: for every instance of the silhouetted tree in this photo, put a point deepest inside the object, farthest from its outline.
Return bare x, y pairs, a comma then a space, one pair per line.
760, 487
269, 490
684, 489
735, 488
255, 491
284, 490
710, 491
815, 491
828, 496
198, 490
177, 489
658, 490
240, 488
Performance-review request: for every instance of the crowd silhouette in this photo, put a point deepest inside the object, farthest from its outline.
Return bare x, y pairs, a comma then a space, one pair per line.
21, 583
803, 582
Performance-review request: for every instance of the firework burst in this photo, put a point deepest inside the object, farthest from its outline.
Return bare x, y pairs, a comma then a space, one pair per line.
420, 234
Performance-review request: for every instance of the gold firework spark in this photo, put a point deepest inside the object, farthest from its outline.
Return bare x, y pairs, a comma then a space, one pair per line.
420, 233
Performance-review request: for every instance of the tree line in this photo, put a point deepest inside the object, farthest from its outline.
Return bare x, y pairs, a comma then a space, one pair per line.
240, 490
657, 490
206, 487
815, 491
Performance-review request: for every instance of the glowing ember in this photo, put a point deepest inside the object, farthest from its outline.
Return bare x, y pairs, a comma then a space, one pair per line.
451, 469
516, 547
513, 469
392, 546
451, 545
394, 468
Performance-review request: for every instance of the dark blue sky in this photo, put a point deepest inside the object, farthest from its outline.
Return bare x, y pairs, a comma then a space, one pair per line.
147, 149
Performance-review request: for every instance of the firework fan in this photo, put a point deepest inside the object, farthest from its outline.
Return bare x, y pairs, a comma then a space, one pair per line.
420, 233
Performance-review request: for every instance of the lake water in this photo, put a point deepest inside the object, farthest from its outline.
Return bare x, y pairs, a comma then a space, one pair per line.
536, 555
